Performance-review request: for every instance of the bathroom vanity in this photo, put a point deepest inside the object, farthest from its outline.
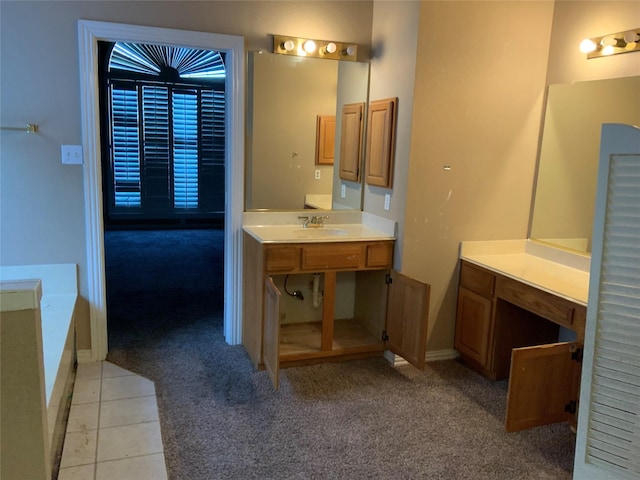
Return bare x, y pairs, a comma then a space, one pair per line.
349, 263
516, 299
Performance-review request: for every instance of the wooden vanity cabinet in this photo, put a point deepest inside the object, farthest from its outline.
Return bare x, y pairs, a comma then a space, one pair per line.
509, 329
390, 310
473, 322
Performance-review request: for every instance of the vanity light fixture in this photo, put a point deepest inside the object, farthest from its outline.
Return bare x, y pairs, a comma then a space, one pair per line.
306, 47
611, 44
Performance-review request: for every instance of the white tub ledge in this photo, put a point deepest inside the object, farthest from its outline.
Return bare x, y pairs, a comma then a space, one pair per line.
37, 304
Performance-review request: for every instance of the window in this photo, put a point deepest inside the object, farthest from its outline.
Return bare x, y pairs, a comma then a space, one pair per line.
163, 132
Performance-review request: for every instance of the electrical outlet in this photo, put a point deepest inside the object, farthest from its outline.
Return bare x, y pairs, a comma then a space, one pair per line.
343, 191
71, 154
317, 175
387, 201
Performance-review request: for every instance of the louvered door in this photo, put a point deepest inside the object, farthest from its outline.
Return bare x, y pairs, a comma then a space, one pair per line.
608, 444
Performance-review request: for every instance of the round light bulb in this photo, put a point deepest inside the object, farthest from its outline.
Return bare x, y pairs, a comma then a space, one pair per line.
631, 37
309, 46
608, 50
587, 46
288, 45
331, 48
608, 41
351, 50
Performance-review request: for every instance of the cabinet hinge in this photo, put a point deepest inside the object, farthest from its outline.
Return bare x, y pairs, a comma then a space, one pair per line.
385, 337
577, 355
571, 407
387, 278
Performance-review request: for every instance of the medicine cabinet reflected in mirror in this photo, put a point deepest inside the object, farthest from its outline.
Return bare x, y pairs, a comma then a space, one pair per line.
565, 193
285, 96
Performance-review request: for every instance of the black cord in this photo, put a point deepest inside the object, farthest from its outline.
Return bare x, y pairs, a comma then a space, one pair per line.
297, 294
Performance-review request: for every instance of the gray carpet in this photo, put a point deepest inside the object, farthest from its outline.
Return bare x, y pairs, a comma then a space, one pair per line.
362, 419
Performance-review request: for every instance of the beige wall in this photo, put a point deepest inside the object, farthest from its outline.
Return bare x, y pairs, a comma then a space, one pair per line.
394, 44
478, 100
42, 201
574, 21
477, 109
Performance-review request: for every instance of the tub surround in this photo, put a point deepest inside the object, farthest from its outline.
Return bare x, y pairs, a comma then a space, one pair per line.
557, 271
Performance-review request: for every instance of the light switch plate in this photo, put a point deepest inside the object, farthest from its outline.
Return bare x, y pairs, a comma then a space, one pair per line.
387, 201
317, 174
71, 154
343, 191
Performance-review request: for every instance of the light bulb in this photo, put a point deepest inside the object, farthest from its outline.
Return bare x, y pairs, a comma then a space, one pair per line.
587, 46
350, 50
330, 48
608, 50
631, 37
609, 41
288, 45
309, 46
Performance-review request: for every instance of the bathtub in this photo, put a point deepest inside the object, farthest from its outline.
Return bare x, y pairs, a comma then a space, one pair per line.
37, 312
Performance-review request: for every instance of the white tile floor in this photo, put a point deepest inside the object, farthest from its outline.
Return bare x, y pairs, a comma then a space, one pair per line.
114, 428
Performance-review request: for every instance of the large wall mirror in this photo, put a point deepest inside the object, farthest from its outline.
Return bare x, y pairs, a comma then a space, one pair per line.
568, 165
285, 96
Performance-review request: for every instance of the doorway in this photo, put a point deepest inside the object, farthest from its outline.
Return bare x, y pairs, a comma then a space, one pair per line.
89, 33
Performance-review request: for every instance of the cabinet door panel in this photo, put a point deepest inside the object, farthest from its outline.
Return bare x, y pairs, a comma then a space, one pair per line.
271, 335
407, 316
380, 151
351, 142
325, 139
473, 323
542, 381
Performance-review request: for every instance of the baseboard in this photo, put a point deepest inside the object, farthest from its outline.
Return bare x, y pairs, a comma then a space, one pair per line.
84, 356
434, 356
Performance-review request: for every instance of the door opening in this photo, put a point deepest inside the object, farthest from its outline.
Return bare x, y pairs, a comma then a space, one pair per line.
90, 33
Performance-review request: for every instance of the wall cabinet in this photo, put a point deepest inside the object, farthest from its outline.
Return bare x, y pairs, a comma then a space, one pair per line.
509, 329
351, 142
389, 311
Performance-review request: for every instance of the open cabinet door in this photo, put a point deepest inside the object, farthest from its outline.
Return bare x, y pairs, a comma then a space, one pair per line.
542, 382
407, 316
271, 333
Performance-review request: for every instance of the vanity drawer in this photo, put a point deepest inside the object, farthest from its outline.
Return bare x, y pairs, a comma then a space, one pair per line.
282, 259
477, 280
380, 255
331, 256
544, 304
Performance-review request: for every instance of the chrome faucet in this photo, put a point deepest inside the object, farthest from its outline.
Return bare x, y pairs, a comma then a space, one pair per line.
316, 221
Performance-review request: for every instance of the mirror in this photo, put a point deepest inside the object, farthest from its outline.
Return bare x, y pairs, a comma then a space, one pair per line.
285, 96
568, 165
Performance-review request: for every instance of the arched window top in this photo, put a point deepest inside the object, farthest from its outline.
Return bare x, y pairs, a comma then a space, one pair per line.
156, 59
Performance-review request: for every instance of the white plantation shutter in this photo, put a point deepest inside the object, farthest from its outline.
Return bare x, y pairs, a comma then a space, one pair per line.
609, 424
157, 158
168, 132
185, 150
125, 147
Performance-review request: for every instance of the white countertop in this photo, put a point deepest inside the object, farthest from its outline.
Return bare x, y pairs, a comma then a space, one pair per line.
318, 200
341, 226
329, 233
560, 272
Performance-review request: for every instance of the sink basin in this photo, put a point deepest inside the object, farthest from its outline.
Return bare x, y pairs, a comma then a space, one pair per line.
319, 232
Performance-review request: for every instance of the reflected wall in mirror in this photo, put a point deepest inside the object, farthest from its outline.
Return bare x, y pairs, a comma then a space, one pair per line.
568, 165
285, 96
